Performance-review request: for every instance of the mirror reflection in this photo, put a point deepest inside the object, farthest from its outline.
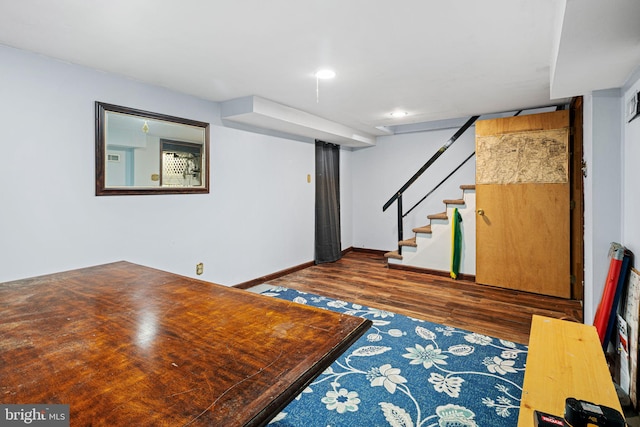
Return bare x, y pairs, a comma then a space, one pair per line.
139, 152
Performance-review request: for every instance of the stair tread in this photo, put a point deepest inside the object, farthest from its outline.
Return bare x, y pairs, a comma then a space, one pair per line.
424, 229
427, 229
454, 201
408, 242
442, 215
393, 254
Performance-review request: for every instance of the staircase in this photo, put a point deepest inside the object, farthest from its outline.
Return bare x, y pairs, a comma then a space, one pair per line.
430, 248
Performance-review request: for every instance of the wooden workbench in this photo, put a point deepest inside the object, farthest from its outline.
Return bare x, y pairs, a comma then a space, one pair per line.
565, 360
124, 344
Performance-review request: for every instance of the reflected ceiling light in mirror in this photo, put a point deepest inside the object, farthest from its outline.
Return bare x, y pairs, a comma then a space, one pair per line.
323, 74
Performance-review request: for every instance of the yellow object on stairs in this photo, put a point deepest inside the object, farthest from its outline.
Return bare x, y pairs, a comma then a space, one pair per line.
456, 243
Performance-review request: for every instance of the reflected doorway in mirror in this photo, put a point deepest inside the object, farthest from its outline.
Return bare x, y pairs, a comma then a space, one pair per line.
140, 152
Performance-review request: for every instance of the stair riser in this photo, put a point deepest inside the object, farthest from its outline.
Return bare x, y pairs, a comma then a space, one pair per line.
433, 250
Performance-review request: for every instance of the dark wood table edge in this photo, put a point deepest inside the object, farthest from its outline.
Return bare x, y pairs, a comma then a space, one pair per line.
279, 403
270, 411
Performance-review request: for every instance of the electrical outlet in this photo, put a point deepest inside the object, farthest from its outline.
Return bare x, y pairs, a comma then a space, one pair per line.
199, 268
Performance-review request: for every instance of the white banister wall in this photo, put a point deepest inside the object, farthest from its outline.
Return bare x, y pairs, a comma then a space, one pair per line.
433, 251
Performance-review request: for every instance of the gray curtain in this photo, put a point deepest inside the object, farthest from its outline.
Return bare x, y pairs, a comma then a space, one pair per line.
328, 245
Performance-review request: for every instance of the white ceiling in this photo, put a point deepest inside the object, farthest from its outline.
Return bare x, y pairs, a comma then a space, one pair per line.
434, 59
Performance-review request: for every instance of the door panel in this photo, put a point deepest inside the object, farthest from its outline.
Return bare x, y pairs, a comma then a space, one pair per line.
522, 202
523, 237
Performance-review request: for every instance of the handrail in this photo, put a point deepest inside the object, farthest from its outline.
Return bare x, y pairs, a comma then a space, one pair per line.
517, 113
439, 184
433, 158
398, 196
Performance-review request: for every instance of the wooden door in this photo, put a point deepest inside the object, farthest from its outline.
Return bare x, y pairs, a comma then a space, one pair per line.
522, 203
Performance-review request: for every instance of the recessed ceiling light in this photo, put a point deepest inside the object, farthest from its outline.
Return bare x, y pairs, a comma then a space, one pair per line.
397, 114
325, 74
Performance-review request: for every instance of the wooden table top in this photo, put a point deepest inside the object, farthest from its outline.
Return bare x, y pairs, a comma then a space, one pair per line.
565, 359
124, 344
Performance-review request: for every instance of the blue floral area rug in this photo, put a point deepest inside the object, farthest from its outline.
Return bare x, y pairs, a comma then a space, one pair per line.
410, 373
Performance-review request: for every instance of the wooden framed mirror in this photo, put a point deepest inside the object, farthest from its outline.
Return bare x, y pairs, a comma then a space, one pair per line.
140, 152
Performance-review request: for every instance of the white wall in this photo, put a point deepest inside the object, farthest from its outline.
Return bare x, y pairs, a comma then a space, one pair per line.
346, 195
380, 171
602, 190
631, 175
258, 218
612, 195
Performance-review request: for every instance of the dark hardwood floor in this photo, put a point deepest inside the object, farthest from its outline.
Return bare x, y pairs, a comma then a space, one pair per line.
363, 277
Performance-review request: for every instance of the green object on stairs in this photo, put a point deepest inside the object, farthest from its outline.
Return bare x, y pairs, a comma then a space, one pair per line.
456, 243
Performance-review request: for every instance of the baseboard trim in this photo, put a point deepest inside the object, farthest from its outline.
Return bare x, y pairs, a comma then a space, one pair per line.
467, 277
260, 280
369, 251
